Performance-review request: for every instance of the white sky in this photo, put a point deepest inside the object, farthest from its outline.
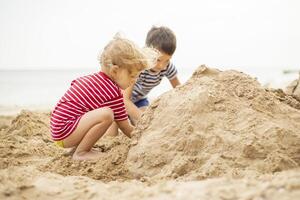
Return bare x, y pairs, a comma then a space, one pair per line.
56, 34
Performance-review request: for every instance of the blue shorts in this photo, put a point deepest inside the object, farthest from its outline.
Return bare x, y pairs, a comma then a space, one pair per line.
142, 103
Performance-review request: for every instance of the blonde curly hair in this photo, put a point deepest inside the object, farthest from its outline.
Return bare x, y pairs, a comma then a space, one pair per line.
126, 54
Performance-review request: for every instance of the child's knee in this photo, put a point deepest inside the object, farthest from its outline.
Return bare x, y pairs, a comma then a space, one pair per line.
107, 115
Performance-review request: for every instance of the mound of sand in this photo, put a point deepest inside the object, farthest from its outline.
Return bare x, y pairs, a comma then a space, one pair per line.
25, 140
217, 124
294, 88
220, 126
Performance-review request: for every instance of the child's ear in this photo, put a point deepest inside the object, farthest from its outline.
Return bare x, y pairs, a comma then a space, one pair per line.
114, 69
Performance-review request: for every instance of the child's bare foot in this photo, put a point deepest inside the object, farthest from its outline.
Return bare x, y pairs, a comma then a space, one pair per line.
87, 155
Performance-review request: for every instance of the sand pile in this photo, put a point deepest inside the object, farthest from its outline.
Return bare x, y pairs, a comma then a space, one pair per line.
25, 140
217, 124
294, 88
241, 140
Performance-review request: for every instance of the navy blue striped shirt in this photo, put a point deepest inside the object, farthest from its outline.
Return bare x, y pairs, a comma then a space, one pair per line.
148, 80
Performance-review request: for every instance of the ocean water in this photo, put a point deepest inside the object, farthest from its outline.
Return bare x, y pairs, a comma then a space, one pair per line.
43, 88
35, 88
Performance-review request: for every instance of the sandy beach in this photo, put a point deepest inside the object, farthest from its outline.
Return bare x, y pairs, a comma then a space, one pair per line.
221, 135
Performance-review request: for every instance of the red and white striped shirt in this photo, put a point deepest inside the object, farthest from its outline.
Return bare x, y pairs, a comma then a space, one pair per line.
85, 94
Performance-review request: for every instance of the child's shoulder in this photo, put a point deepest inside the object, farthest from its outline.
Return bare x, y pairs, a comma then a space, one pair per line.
171, 65
170, 68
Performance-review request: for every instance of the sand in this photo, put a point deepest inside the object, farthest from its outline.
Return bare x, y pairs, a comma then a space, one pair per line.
293, 88
221, 135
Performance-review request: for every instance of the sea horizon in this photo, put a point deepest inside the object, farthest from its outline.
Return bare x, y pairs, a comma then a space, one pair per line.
42, 88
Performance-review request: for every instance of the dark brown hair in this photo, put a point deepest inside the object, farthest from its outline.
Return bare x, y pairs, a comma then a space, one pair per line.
162, 38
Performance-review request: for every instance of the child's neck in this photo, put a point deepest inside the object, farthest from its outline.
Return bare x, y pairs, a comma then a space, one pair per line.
106, 71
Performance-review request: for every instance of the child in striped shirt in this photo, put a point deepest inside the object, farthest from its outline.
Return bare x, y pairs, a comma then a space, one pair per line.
95, 101
164, 40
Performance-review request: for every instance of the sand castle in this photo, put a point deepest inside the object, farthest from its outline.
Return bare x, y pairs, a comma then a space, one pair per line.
221, 135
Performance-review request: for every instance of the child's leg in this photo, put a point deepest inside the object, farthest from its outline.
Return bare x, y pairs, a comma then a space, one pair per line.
143, 108
89, 130
113, 129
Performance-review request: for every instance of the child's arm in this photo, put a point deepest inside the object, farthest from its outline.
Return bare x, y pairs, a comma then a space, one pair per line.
174, 82
133, 111
125, 127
